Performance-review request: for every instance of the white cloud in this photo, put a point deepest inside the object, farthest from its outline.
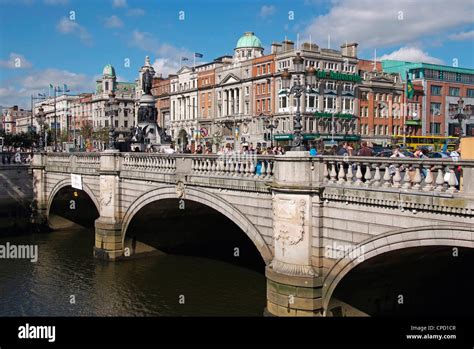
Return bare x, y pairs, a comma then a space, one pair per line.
411, 54
267, 10
462, 36
374, 23
20, 88
67, 26
15, 61
119, 3
168, 56
113, 22
136, 12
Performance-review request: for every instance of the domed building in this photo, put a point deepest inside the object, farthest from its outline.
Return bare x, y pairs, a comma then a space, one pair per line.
124, 102
248, 46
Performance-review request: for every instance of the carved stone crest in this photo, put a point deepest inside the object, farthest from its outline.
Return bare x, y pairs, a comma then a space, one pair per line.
180, 189
292, 233
106, 194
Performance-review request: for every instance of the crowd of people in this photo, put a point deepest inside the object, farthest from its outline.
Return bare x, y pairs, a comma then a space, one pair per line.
245, 148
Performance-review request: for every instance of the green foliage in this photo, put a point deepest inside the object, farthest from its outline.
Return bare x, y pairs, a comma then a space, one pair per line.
24, 140
101, 135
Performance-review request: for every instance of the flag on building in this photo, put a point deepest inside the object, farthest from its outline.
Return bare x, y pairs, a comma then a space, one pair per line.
184, 59
198, 55
50, 87
410, 88
65, 89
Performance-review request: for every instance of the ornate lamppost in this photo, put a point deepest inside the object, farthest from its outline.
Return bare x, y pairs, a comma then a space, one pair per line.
40, 117
271, 124
461, 112
309, 80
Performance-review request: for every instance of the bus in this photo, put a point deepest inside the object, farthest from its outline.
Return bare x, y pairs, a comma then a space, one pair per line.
434, 143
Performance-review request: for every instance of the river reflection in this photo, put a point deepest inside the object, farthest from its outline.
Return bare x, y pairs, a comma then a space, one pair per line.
66, 272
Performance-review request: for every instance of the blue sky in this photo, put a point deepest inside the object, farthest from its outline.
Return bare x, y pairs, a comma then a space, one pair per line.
42, 41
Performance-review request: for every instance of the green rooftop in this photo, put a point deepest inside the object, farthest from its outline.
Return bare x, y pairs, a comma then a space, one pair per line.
402, 67
249, 40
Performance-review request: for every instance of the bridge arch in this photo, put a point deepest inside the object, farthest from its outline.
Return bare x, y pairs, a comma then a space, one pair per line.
208, 199
392, 241
67, 183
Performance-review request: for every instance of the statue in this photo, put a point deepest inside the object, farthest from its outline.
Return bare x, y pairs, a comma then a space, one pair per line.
147, 80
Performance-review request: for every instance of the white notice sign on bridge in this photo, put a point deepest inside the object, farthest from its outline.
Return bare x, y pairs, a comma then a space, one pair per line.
76, 181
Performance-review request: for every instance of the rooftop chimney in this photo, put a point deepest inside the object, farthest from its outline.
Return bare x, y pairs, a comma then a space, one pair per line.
288, 45
349, 49
276, 47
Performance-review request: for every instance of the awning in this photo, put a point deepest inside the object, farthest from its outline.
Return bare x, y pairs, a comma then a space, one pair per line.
413, 122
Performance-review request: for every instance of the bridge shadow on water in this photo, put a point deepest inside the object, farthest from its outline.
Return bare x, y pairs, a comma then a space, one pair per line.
196, 230
430, 281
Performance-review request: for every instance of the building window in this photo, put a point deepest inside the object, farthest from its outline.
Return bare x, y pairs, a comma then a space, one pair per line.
454, 91
247, 90
106, 123
329, 103
330, 85
125, 123
312, 101
435, 128
283, 102
470, 92
347, 104
435, 108
125, 112
436, 90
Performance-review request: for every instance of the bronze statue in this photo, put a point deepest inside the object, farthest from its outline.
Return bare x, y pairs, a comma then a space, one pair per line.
147, 80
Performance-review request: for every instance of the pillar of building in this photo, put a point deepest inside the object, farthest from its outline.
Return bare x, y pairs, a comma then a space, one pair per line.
224, 102
294, 283
241, 100
108, 227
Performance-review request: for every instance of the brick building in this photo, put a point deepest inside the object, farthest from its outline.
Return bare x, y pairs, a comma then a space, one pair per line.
442, 87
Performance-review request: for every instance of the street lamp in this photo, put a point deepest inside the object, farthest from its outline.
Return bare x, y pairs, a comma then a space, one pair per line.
111, 111
296, 90
41, 118
271, 124
461, 112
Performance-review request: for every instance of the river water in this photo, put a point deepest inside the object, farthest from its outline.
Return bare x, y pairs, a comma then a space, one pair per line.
68, 281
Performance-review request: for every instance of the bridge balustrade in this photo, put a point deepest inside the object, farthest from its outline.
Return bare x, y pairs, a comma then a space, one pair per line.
429, 175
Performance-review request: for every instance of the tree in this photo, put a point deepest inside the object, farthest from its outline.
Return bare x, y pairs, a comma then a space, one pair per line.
101, 135
86, 131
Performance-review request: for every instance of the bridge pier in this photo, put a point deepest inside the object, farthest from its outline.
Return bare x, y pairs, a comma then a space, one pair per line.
108, 227
294, 287
39, 205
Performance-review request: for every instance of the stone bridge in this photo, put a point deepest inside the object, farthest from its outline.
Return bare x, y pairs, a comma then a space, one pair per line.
312, 219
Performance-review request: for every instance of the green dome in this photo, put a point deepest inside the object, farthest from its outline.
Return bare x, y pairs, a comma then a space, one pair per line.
249, 40
108, 70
